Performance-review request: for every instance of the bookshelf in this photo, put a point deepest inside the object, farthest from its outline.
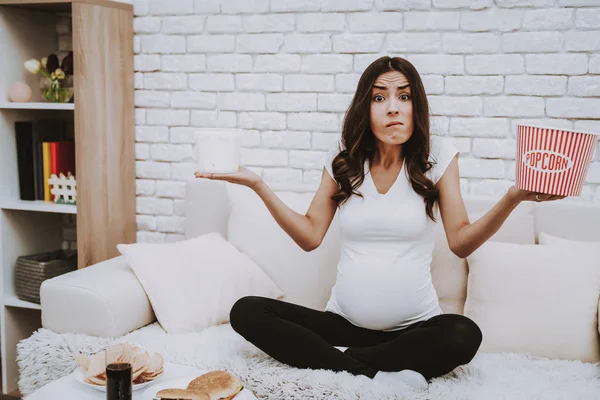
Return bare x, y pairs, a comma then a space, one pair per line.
104, 131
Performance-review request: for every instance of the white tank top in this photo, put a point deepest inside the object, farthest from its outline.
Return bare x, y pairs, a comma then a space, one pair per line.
383, 275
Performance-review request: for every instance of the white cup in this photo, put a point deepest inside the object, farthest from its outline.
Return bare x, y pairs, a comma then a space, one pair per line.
218, 149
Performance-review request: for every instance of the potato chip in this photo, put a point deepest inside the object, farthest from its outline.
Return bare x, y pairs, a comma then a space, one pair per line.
145, 366
148, 377
155, 363
82, 361
97, 365
97, 381
140, 361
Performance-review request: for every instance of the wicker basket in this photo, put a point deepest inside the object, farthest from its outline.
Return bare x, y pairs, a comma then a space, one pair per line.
32, 270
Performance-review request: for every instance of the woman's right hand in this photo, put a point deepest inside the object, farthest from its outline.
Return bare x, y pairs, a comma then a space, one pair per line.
243, 176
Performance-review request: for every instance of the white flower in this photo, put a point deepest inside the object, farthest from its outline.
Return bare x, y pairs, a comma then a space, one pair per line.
44, 61
33, 66
59, 73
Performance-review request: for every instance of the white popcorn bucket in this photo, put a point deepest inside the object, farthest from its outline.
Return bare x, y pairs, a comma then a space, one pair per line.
218, 150
553, 161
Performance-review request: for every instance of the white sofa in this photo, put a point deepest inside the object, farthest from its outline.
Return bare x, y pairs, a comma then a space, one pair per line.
86, 309
107, 300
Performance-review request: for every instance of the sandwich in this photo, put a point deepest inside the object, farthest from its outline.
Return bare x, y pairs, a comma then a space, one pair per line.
180, 394
219, 385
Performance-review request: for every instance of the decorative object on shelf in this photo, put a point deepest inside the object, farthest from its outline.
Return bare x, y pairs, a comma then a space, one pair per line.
44, 147
63, 188
19, 92
32, 270
56, 83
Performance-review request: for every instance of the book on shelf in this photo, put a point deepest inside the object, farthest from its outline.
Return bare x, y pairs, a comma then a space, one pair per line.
44, 148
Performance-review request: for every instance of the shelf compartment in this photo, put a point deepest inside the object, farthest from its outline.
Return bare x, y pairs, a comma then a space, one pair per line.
25, 233
22, 233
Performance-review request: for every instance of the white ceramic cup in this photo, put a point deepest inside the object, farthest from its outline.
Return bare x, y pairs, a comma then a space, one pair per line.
218, 149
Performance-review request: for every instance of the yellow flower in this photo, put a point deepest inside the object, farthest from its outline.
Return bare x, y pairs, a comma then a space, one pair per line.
33, 66
60, 74
44, 61
53, 76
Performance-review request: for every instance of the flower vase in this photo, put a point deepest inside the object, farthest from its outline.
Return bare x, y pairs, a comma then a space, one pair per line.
55, 91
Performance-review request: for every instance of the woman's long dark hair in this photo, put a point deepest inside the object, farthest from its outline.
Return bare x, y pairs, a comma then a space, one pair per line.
359, 142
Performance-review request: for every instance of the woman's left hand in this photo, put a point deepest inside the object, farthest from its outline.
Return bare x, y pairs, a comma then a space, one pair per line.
525, 195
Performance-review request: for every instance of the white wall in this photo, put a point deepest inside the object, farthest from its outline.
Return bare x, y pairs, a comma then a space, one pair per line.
286, 71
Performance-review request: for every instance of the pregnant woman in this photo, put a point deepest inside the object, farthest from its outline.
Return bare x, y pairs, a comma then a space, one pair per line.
390, 180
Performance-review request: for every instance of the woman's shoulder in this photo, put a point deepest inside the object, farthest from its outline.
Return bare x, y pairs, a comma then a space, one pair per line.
438, 144
441, 153
336, 146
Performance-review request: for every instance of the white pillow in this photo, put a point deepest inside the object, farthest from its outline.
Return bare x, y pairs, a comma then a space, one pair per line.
449, 273
306, 278
547, 239
192, 284
535, 299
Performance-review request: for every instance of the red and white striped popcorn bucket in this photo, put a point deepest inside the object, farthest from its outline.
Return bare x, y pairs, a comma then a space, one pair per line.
553, 161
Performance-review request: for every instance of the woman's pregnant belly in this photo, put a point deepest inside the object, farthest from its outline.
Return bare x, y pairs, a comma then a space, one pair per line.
382, 298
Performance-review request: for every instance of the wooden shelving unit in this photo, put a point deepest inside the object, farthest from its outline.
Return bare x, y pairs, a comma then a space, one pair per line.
103, 116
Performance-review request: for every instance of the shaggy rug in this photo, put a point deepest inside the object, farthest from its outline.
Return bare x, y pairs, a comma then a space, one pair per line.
46, 356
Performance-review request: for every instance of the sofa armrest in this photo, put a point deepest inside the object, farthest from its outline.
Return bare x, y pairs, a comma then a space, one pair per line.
104, 299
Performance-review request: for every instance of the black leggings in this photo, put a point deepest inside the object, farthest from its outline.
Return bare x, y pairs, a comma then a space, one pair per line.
305, 338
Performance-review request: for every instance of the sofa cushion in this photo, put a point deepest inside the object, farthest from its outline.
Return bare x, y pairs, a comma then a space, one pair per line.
541, 300
547, 239
192, 284
449, 272
574, 220
91, 300
306, 278
551, 240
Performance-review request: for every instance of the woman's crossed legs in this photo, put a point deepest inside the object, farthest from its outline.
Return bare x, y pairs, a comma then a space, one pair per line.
305, 338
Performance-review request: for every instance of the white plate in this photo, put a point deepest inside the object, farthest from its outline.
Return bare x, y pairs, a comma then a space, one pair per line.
79, 377
182, 384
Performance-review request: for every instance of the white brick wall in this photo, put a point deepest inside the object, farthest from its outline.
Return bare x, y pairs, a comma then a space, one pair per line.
286, 70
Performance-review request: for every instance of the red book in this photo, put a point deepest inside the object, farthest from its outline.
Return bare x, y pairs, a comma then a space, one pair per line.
53, 162
66, 158
53, 158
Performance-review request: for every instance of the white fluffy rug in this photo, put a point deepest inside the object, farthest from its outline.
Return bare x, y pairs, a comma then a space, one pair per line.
45, 356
